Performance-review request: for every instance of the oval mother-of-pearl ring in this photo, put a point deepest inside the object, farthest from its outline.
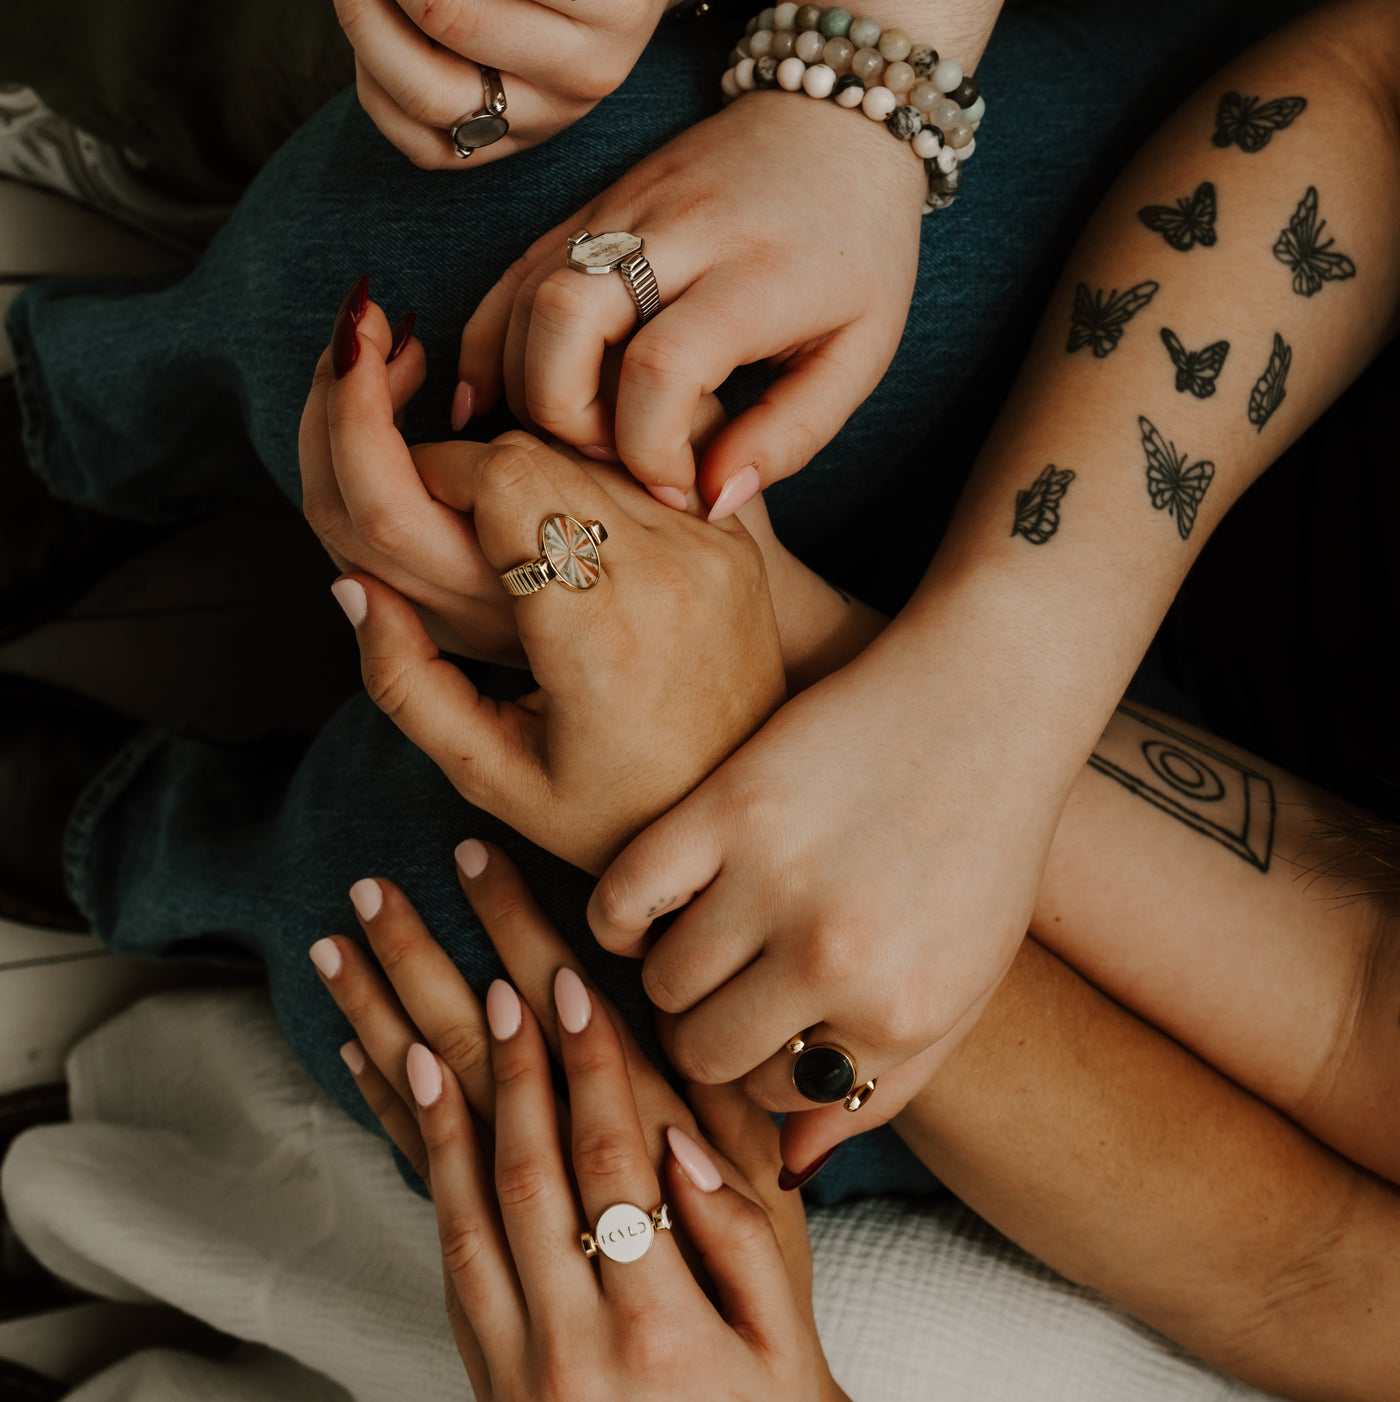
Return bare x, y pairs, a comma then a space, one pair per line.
826, 1073
625, 1233
569, 553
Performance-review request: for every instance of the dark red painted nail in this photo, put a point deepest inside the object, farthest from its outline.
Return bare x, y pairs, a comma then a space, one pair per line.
345, 342
401, 335
788, 1180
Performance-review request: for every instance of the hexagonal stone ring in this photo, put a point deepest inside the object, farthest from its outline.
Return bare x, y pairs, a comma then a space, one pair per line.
826, 1073
569, 553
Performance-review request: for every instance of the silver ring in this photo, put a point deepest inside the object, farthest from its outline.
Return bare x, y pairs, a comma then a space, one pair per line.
488, 123
618, 253
625, 1233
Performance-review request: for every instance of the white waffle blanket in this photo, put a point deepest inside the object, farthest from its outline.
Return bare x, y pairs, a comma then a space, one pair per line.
205, 1169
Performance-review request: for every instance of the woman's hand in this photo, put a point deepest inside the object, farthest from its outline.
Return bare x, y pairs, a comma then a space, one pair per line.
417, 65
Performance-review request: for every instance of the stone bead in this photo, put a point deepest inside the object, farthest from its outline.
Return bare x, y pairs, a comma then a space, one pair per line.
784, 42
946, 159
927, 143
742, 50
808, 17
743, 75
945, 114
751, 26
959, 134
818, 80
925, 96
923, 59
824, 1075
867, 65
864, 32
836, 22
878, 103
837, 54
974, 114
790, 74
966, 93
765, 20
809, 46
849, 91
761, 43
905, 122
895, 45
948, 183
785, 16
729, 84
899, 78
948, 74
965, 151
765, 72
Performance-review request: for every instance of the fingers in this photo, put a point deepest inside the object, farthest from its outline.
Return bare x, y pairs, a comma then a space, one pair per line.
388, 1105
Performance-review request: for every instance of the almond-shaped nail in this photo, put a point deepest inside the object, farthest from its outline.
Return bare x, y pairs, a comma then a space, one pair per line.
788, 1180
367, 896
738, 491
401, 335
463, 398
471, 858
694, 1161
667, 496
353, 1055
350, 595
502, 1010
325, 954
571, 999
424, 1075
345, 339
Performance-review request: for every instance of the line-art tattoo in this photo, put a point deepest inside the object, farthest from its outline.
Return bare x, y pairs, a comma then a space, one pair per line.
1099, 323
1191, 222
1269, 393
1195, 370
658, 906
1197, 785
1038, 507
1250, 124
1170, 483
1298, 246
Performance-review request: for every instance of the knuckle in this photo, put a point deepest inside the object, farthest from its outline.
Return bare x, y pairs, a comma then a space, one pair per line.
510, 466
604, 1155
464, 1241
449, 22
832, 956
656, 359
521, 1183
658, 991
464, 1046
693, 1062
388, 528
906, 1021
388, 683
322, 512
762, 1094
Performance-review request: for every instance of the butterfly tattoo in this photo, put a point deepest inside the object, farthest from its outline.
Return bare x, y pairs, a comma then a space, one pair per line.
1250, 124
1269, 393
1038, 507
1312, 261
1195, 370
1171, 484
1191, 222
1098, 323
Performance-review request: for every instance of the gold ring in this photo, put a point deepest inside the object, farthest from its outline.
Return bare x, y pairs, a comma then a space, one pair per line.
569, 553
625, 1233
826, 1073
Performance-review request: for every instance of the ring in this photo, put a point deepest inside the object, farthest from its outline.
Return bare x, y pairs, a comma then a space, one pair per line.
625, 1233
568, 553
827, 1073
617, 253
488, 123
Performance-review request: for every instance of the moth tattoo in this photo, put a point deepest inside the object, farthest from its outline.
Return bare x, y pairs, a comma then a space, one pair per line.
1172, 485
1099, 323
1300, 247
1269, 393
1191, 222
1250, 124
1195, 370
1038, 507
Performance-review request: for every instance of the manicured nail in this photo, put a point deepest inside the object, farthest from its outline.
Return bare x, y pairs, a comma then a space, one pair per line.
424, 1075
345, 339
471, 858
367, 896
325, 954
694, 1161
401, 335
503, 1010
462, 400
737, 491
353, 1055
572, 1000
667, 496
599, 453
350, 595
788, 1180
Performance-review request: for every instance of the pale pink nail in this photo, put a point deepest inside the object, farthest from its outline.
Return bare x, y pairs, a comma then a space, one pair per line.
572, 1000
503, 1010
367, 897
667, 496
471, 858
694, 1161
424, 1075
462, 400
353, 1055
350, 595
326, 957
599, 453
737, 491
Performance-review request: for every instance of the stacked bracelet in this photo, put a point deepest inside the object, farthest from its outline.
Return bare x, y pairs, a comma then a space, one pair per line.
826, 53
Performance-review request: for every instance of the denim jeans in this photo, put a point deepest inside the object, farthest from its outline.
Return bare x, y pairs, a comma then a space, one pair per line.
162, 400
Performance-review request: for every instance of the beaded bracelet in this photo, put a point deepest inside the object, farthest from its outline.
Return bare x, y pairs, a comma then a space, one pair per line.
827, 53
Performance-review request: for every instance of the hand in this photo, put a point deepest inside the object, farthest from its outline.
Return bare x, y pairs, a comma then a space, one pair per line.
417, 73
747, 222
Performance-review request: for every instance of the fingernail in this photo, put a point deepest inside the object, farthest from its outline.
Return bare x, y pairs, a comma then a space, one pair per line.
788, 1180
401, 335
471, 858
599, 453
503, 1010
367, 897
353, 1055
572, 1000
462, 398
326, 956
667, 496
345, 340
694, 1161
350, 595
737, 491
424, 1075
